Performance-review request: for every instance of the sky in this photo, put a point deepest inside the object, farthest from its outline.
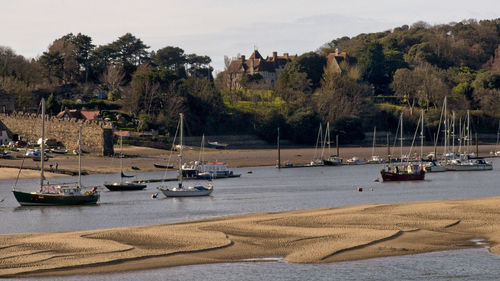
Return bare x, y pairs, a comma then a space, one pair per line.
219, 28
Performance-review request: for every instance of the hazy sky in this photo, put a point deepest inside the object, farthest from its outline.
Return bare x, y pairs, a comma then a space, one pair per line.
221, 27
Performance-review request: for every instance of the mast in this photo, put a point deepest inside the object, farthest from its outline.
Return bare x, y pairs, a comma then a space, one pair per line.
42, 146
180, 154
498, 134
337, 144
453, 133
468, 131
327, 137
459, 135
80, 157
445, 131
401, 137
373, 145
121, 157
319, 140
422, 138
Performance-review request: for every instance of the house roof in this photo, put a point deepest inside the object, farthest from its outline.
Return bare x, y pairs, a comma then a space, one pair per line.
90, 114
256, 63
71, 113
80, 114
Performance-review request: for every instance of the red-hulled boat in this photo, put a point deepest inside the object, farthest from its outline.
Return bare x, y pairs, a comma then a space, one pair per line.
403, 172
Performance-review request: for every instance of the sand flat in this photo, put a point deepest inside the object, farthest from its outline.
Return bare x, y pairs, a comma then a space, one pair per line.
304, 236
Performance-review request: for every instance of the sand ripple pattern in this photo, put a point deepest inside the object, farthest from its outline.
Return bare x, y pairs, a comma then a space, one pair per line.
305, 236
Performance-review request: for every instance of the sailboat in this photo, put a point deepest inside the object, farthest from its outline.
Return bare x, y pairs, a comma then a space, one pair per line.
468, 161
375, 158
123, 185
180, 190
403, 171
317, 158
56, 194
332, 159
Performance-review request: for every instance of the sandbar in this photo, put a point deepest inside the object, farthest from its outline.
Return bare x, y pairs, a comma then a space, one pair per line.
305, 236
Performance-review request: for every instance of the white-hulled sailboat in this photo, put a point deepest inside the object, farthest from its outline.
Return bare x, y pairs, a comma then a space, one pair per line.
180, 190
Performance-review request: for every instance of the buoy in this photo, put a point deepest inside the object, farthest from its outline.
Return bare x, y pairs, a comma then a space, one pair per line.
360, 189
249, 172
154, 195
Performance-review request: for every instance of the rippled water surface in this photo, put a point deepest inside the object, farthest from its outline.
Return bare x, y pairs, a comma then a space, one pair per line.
268, 189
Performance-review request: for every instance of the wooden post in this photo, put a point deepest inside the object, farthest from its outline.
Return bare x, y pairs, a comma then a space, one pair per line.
477, 147
337, 143
279, 150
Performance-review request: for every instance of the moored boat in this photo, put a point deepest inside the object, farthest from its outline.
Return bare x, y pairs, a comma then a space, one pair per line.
180, 190
124, 185
403, 172
332, 160
56, 194
476, 164
162, 166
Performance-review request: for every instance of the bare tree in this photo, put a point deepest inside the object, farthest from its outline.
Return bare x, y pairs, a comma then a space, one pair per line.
112, 80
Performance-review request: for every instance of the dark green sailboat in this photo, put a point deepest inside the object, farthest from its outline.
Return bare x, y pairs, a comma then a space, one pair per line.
56, 194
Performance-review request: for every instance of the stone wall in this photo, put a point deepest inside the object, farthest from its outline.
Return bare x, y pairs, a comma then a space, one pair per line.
97, 136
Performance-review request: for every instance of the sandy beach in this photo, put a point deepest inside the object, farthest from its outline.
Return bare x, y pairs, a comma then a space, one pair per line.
305, 236
143, 158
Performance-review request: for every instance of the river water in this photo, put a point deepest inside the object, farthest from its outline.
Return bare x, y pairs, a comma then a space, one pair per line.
268, 189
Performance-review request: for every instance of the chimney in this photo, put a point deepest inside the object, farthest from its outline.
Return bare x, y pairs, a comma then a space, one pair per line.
275, 56
285, 54
243, 58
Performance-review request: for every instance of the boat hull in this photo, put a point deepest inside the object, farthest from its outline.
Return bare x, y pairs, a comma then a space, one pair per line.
186, 192
477, 167
331, 163
390, 176
124, 186
47, 199
161, 166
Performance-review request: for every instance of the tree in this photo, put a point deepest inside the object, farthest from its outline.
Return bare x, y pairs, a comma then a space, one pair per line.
52, 105
127, 52
346, 97
172, 59
53, 64
67, 51
84, 46
199, 66
373, 67
349, 129
311, 64
112, 80
424, 85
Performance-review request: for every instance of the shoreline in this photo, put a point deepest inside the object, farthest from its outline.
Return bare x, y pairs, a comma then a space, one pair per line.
301, 236
143, 158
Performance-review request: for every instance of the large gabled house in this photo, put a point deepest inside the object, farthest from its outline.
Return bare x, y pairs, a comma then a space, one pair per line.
269, 68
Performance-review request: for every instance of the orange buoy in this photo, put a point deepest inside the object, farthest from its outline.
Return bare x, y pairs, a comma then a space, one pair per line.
154, 195
360, 189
